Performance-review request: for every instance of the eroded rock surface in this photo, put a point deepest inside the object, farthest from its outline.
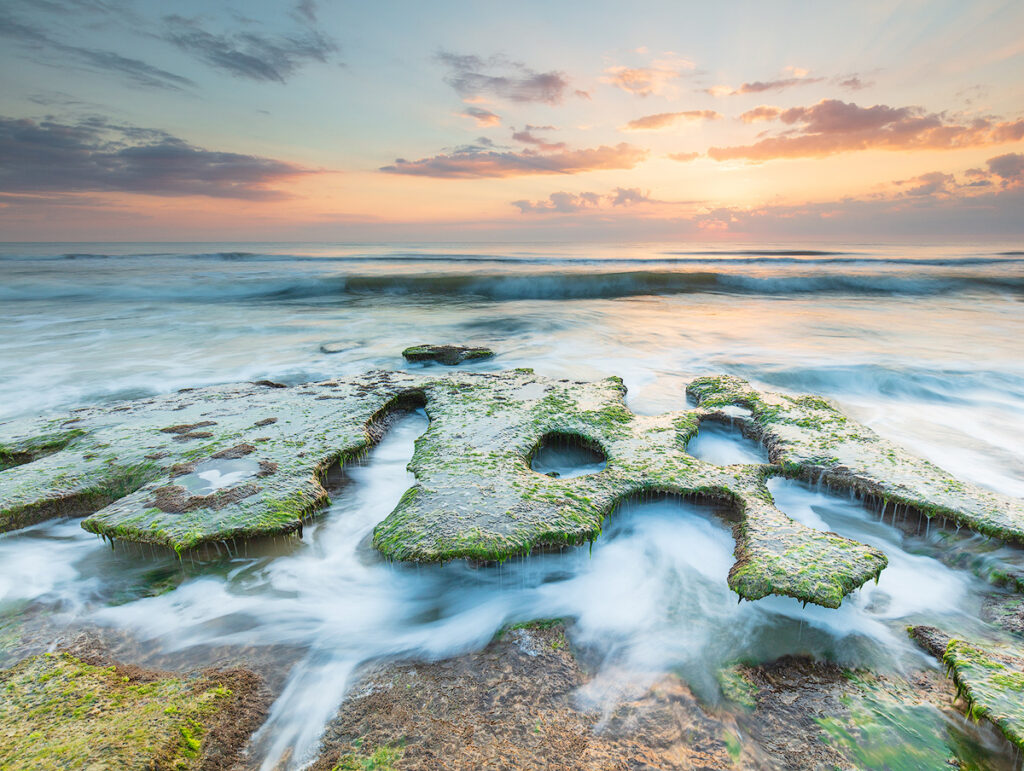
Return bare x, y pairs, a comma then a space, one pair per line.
239, 461
524, 702
513, 705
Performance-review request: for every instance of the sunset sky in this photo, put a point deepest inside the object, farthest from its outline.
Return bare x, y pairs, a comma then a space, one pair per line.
342, 120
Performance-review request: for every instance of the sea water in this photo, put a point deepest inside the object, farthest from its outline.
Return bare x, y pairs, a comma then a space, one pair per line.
921, 343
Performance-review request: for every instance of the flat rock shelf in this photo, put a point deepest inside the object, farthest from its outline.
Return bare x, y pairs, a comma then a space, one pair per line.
248, 460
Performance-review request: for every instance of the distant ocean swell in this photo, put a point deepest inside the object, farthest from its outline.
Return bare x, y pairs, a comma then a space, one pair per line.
709, 258
512, 286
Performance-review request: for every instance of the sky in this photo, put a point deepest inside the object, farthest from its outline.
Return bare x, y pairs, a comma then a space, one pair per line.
315, 120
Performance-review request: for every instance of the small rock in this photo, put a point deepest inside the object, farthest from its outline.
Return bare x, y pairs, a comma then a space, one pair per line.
446, 354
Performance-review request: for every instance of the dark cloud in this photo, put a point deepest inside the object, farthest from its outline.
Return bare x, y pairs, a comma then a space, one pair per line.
832, 126
484, 118
1009, 167
665, 119
95, 156
527, 137
306, 10
760, 86
932, 183
498, 77
247, 54
473, 162
853, 82
134, 70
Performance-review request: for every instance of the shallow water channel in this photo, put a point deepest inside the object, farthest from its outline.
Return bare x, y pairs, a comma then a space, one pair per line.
649, 597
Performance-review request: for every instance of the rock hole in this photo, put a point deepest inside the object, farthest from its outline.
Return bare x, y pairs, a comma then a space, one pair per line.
567, 455
724, 444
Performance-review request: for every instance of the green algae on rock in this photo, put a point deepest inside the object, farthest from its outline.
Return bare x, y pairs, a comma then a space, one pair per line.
58, 711
810, 438
990, 681
446, 354
240, 461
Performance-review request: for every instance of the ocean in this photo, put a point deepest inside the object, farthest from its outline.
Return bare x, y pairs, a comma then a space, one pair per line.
923, 343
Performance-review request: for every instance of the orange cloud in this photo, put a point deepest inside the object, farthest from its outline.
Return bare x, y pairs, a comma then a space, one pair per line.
764, 112
643, 81
484, 118
475, 162
683, 157
832, 126
664, 119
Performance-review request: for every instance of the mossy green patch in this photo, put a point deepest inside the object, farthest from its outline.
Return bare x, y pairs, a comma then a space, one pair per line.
991, 688
883, 734
381, 759
57, 712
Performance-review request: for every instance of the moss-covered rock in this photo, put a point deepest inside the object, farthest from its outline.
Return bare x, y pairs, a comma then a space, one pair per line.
249, 460
990, 682
446, 354
59, 712
810, 438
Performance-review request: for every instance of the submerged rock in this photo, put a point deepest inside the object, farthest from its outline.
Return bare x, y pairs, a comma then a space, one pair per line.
990, 681
337, 347
240, 461
525, 702
514, 705
446, 354
59, 711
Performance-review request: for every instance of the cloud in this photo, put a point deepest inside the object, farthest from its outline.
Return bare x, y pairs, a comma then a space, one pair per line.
928, 184
247, 54
567, 203
832, 126
764, 112
484, 118
990, 213
627, 196
475, 163
560, 202
95, 59
473, 77
306, 9
95, 156
665, 119
683, 157
658, 78
1009, 167
527, 137
854, 83
760, 86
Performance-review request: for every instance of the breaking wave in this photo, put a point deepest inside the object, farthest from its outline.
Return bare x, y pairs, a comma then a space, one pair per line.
512, 286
